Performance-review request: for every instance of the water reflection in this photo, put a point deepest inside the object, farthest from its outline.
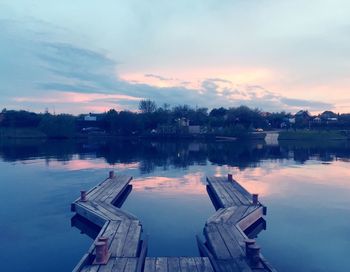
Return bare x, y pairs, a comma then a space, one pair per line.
146, 156
305, 186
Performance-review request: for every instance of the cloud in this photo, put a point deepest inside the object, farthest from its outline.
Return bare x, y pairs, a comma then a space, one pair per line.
159, 77
301, 103
42, 73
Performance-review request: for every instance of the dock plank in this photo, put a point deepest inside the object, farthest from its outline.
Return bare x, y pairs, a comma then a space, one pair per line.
150, 265
216, 243
161, 264
188, 264
222, 196
174, 264
131, 243
203, 265
131, 265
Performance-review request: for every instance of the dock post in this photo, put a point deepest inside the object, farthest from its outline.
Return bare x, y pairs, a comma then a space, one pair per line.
101, 253
255, 199
111, 174
255, 254
229, 177
248, 243
83, 196
104, 240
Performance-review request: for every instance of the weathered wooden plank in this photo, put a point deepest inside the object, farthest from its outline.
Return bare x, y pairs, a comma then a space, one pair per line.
110, 232
150, 265
228, 186
226, 215
231, 244
90, 195
132, 240
237, 215
242, 190
174, 264
97, 218
251, 218
117, 245
217, 214
216, 243
204, 251
116, 190
118, 212
221, 187
119, 264
142, 256
223, 197
107, 186
91, 268
107, 267
203, 265
110, 214
131, 265
188, 264
161, 264
228, 266
237, 194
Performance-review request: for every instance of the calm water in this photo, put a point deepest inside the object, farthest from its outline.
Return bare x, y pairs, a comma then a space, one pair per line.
305, 187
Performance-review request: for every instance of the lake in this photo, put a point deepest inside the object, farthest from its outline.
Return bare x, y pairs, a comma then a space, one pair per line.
305, 186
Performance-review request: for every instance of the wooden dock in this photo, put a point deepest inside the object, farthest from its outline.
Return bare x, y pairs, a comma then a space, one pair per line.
226, 243
183, 264
121, 229
119, 245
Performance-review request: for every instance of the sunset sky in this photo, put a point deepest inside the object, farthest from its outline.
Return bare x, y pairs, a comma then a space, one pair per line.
90, 56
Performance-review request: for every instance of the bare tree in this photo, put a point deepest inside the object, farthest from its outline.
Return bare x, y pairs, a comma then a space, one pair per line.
147, 106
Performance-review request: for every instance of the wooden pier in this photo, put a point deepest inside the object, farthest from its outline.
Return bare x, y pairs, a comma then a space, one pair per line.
119, 245
227, 246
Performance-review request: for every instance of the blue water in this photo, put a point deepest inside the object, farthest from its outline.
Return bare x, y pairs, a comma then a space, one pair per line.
305, 187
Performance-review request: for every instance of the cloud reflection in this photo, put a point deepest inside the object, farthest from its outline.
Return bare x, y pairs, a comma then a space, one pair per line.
190, 184
278, 180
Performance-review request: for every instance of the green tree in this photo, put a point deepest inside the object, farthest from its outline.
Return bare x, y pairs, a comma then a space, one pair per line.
58, 126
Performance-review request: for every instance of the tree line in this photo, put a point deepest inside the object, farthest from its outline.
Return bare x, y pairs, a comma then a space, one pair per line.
234, 121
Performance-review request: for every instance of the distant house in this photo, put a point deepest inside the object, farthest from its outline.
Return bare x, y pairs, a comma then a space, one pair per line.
183, 122
303, 117
291, 120
317, 120
329, 116
90, 117
303, 114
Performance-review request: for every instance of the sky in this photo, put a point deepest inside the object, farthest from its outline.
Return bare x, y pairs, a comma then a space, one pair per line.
90, 56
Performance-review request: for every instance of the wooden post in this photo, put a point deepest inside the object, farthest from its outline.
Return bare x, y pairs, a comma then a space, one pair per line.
101, 253
111, 174
264, 210
83, 196
255, 254
104, 240
255, 199
248, 243
229, 177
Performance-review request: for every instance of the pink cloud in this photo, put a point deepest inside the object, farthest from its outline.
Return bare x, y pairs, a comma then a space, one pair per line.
190, 184
73, 97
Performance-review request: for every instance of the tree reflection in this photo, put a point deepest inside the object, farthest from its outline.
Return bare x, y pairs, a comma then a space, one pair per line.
177, 154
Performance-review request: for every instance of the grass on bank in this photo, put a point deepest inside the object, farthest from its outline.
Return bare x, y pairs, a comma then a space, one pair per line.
311, 135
